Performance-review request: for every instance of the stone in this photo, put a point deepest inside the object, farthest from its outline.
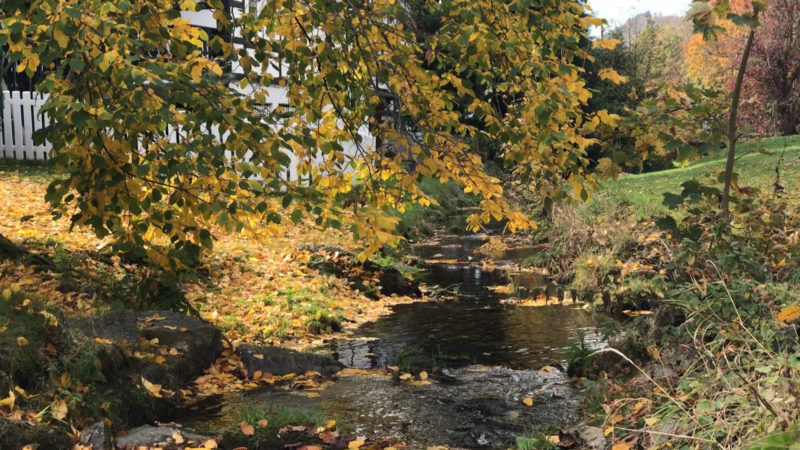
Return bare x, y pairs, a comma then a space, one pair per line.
592, 438
16, 435
281, 361
118, 326
199, 343
160, 437
95, 437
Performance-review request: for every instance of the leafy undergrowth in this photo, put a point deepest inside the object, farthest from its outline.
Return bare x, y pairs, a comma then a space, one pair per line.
715, 359
255, 287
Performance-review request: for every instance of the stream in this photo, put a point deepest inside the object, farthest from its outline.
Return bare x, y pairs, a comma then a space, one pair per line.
484, 357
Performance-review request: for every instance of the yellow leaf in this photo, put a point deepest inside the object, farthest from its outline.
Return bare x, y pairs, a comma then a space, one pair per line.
355, 444
21, 341
789, 314
423, 375
527, 401
330, 424
211, 443
9, 401
61, 38
608, 430
154, 389
263, 422
177, 437
58, 409
405, 376
547, 369
554, 439
621, 446
650, 421
246, 428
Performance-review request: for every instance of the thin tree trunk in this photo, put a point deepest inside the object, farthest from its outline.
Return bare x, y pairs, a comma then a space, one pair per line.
733, 130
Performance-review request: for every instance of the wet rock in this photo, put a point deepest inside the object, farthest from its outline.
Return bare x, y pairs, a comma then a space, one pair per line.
280, 361
16, 435
393, 282
159, 437
118, 326
199, 343
95, 437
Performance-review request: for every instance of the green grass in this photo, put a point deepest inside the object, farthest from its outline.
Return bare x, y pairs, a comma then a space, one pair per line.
39, 171
755, 165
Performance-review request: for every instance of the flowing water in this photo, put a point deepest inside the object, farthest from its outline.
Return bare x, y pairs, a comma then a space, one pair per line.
487, 357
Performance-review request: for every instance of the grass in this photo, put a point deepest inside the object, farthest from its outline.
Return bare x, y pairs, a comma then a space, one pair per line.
755, 166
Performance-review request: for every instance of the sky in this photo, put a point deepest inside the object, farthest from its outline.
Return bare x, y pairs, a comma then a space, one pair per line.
618, 11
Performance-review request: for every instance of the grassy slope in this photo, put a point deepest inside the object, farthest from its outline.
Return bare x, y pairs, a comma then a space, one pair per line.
755, 165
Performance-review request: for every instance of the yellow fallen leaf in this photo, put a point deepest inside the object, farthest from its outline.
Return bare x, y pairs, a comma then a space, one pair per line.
650, 421
9, 401
246, 428
621, 446
21, 341
153, 389
330, 424
554, 439
527, 401
423, 375
257, 374
355, 444
608, 430
405, 376
211, 443
263, 422
58, 409
177, 437
547, 369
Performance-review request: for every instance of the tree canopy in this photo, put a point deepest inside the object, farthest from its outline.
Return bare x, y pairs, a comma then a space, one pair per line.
123, 76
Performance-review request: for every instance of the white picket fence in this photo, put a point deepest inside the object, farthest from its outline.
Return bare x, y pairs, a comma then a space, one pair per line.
21, 118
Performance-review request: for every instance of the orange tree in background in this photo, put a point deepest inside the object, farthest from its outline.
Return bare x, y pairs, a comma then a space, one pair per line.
121, 74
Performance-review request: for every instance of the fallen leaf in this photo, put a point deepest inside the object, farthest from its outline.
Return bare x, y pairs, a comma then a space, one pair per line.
246, 428
58, 409
405, 376
608, 430
423, 375
263, 422
177, 437
9, 401
355, 444
153, 389
21, 341
621, 446
527, 401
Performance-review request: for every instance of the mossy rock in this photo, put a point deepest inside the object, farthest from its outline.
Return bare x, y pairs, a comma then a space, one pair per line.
15, 435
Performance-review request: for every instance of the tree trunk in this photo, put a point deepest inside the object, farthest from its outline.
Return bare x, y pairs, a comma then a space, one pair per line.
10, 250
733, 129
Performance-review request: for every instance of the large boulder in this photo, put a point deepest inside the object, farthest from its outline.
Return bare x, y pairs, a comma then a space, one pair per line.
118, 326
281, 361
160, 437
199, 343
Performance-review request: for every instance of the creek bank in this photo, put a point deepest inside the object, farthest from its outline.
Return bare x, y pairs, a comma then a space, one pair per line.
369, 277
